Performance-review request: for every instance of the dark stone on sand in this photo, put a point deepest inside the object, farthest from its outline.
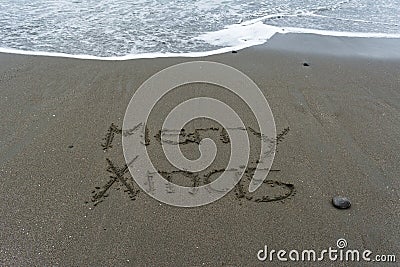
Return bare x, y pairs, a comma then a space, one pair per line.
305, 64
70, 146
234, 52
341, 202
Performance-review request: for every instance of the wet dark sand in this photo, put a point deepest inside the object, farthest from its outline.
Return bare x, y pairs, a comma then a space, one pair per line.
343, 115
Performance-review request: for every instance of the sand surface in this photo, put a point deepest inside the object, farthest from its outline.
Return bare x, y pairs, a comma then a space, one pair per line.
342, 115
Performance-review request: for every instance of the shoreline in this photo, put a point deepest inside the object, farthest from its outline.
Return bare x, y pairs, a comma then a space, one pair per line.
312, 42
343, 114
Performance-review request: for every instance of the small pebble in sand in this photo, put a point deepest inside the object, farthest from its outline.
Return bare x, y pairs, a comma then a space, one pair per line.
341, 202
234, 52
70, 146
305, 64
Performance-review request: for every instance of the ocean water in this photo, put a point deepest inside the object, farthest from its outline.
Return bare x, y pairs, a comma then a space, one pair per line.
120, 29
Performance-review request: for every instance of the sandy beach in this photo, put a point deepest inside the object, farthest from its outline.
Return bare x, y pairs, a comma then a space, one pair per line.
338, 124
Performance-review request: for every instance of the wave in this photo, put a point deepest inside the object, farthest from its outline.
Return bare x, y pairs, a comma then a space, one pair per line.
233, 37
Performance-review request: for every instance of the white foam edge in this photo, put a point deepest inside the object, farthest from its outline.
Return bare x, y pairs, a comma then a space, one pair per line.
233, 37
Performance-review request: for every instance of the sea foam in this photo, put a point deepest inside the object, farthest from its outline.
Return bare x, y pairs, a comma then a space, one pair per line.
122, 30
231, 38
